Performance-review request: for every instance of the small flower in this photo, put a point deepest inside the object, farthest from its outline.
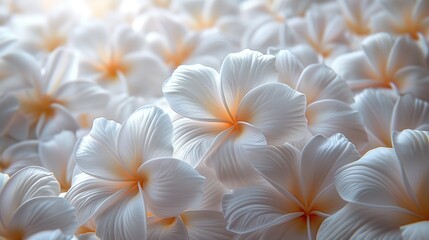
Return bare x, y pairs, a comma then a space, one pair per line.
129, 175
387, 192
30, 204
228, 115
302, 195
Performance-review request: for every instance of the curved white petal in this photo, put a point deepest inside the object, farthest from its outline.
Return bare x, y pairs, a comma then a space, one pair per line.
415, 231
79, 96
90, 40
50, 235
374, 180
230, 153
170, 186
294, 229
377, 49
166, 228
376, 108
59, 68
281, 167
276, 110
193, 92
213, 190
205, 224
192, 139
145, 135
62, 120
9, 105
44, 213
405, 52
243, 71
413, 80
91, 196
320, 82
125, 219
3, 179
145, 73
24, 185
56, 155
126, 40
20, 155
356, 70
357, 222
328, 117
96, 153
321, 159
412, 149
254, 208
410, 113
289, 68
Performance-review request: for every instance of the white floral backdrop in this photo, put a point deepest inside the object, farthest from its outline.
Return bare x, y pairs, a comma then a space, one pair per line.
214, 119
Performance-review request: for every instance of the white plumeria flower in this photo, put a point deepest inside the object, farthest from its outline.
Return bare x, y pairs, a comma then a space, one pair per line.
49, 104
386, 62
387, 192
403, 17
384, 112
40, 35
117, 61
228, 115
322, 29
129, 174
175, 44
303, 192
265, 20
220, 15
328, 98
30, 204
358, 15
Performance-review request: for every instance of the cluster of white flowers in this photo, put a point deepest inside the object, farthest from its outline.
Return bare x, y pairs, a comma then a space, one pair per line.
214, 119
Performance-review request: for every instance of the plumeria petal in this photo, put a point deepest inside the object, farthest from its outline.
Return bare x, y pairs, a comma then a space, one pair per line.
410, 113
62, 120
357, 222
20, 155
31, 182
192, 139
170, 186
413, 80
125, 219
376, 108
417, 231
44, 213
243, 71
289, 68
230, 153
145, 135
281, 167
276, 110
374, 180
320, 82
213, 190
328, 117
96, 154
322, 157
377, 48
9, 105
205, 224
412, 148
405, 52
193, 91
81, 96
166, 228
90, 196
50, 235
253, 208
55, 155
